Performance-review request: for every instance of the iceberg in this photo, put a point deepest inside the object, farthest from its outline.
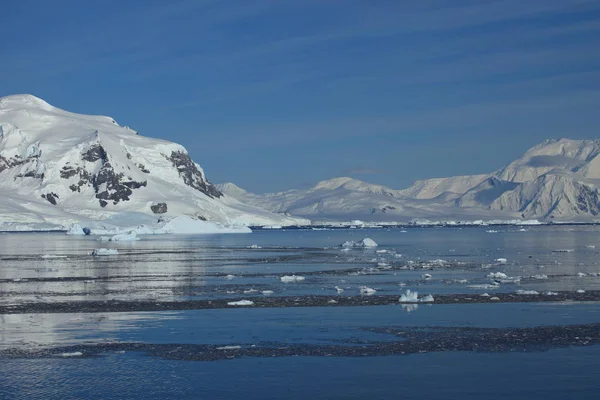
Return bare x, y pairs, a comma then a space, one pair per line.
291, 278
413, 297
105, 252
365, 243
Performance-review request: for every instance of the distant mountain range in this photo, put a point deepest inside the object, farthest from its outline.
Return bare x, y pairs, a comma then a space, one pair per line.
557, 180
58, 168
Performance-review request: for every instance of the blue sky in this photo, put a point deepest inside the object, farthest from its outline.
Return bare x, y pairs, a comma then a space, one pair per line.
280, 94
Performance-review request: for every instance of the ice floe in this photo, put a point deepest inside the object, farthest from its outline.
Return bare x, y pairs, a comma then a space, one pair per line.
527, 292
121, 237
291, 278
365, 243
365, 290
105, 252
413, 297
241, 303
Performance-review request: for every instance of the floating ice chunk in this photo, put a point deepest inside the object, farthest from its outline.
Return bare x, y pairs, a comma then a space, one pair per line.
230, 277
52, 256
105, 252
497, 275
241, 303
581, 291
540, 277
509, 280
426, 276
250, 291
522, 230
73, 354
75, 230
332, 301
365, 243
501, 260
495, 298
551, 293
413, 297
254, 246
494, 285
491, 231
267, 292
427, 299
365, 290
229, 348
527, 292
339, 289
121, 237
484, 295
563, 251
590, 246
292, 278
581, 274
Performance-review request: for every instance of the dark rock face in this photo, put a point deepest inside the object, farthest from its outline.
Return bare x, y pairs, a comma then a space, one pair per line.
159, 208
94, 154
587, 201
16, 161
191, 175
109, 186
51, 197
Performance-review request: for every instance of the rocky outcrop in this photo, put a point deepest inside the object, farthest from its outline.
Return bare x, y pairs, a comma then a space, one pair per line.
159, 208
191, 174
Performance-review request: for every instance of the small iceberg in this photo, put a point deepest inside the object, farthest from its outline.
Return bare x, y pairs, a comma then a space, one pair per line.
413, 297
292, 278
365, 290
105, 252
229, 348
73, 354
497, 275
365, 243
501, 260
527, 292
121, 237
241, 303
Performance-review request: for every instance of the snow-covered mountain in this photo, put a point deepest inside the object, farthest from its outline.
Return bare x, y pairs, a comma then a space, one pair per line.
556, 180
58, 168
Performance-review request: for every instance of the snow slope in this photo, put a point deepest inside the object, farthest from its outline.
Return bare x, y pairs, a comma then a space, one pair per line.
57, 168
557, 180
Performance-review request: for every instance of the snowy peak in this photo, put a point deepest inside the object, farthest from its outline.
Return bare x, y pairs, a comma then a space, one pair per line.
355, 185
579, 156
90, 166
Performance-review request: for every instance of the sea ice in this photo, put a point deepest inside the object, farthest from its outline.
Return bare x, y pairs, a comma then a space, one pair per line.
52, 256
75, 230
267, 292
105, 252
366, 242
563, 251
581, 291
241, 303
527, 292
121, 237
292, 278
501, 260
229, 348
413, 297
73, 354
339, 289
254, 246
365, 290
426, 276
497, 275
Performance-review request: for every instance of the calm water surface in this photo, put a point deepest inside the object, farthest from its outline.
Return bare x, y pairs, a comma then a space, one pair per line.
46, 268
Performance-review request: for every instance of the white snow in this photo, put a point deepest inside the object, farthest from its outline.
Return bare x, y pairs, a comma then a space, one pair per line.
241, 303
291, 278
105, 252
